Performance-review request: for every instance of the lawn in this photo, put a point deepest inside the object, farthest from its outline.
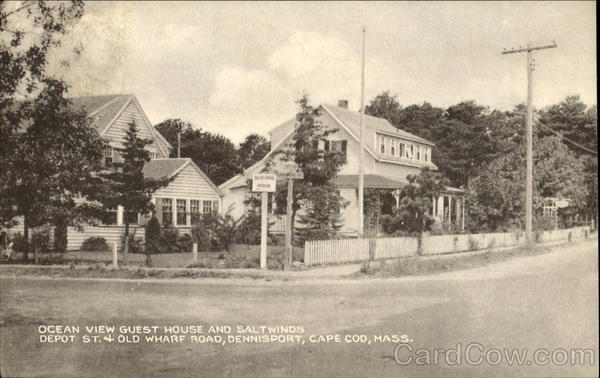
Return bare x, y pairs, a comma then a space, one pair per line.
240, 256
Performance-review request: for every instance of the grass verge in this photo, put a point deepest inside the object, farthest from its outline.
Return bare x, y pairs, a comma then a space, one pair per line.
422, 265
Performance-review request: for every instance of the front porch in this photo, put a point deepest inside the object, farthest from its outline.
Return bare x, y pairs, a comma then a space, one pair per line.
382, 196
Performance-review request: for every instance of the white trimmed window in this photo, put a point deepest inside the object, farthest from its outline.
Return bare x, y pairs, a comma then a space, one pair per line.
195, 211
382, 144
394, 148
167, 211
206, 207
419, 153
401, 149
181, 212
108, 156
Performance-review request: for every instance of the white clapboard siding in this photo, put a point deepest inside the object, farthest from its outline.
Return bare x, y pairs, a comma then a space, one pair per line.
320, 252
389, 248
116, 132
189, 184
111, 234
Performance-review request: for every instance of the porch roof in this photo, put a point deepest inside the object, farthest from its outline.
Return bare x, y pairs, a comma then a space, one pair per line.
371, 181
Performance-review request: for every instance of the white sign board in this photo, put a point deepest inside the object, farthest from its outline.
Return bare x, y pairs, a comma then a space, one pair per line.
290, 170
562, 203
264, 182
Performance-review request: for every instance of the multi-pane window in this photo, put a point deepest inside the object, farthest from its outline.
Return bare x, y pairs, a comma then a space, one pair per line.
194, 211
339, 146
109, 217
108, 156
215, 206
409, 151
167, 211
382, 145
401, 149
181, 212
418, 152
426, 157
206, 207
393, 147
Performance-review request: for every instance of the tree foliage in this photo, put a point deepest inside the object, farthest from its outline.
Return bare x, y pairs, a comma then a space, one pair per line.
215, 154
28, 32
315, 193
127, 185
54, 167
412, 215
253, 149
496, 199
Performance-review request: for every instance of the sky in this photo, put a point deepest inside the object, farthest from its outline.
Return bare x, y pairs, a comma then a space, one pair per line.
237, 68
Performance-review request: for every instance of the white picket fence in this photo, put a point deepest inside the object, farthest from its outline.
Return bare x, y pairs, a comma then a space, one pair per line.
389, 248
321, 252
336, 251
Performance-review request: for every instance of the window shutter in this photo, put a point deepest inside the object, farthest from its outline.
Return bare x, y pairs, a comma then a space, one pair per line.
344, 145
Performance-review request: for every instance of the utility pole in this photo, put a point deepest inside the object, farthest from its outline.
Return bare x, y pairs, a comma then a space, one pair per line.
529, 177
178, 145
361, 155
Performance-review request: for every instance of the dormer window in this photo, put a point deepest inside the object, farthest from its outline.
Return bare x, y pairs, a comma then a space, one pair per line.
382, 145
393, 147
418, 152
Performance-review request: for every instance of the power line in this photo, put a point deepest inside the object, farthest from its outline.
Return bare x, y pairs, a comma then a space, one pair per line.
568, 140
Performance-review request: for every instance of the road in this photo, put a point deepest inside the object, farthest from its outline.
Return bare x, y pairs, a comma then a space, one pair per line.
547, 301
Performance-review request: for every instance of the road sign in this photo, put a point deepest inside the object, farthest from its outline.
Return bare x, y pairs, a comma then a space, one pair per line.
264, 182
290, 171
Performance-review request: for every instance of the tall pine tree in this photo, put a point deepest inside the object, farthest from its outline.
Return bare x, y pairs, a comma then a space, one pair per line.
128, 186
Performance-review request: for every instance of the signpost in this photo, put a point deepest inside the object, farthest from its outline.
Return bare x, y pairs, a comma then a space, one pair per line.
264, 183
290, 172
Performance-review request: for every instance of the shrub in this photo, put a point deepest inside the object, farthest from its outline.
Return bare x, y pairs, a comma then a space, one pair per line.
95, 244
135, 244
215, 232
473, 244
60, 238
184, 243
20, 244
40, 240
168, 240
152, 232
249, 230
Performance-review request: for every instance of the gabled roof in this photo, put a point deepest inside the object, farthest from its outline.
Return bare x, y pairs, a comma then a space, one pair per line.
347, 119
102, 109
372, 124
105, 109
163, 168
167, 168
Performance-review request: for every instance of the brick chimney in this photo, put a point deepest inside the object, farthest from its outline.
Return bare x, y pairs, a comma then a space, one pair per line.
343, 104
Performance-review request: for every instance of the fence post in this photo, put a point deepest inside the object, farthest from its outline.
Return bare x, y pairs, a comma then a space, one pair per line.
114, 255
195, 251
